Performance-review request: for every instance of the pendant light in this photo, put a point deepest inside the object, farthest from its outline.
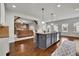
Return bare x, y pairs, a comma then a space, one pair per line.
43, 16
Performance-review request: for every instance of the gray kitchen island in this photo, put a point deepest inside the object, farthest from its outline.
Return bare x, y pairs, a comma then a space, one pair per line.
44, 40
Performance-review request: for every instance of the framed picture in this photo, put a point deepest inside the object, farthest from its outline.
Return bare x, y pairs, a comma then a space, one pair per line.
55, 27
64, 27
76, 27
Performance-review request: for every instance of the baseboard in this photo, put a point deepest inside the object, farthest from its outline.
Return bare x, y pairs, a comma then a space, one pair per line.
24, 38
20, 39
71, 37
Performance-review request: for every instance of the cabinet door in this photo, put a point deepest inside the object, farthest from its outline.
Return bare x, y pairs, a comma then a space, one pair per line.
48, 40
37, 40
58, 36
42, 39
53, 38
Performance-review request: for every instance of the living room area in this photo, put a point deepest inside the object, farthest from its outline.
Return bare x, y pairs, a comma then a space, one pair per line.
39, 29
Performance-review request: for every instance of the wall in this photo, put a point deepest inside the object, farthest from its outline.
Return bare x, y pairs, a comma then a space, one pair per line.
70, 22
0, 13
31, 27
4, 46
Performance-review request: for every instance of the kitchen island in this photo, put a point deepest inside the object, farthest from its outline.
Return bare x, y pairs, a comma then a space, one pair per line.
44, 40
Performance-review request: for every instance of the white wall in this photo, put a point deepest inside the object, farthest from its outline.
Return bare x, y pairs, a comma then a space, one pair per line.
31, 27
10, 23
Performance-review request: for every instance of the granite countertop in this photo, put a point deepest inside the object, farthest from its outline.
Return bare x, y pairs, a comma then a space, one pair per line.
47, 33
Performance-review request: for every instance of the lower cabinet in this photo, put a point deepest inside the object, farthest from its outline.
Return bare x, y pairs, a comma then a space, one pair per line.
46, 40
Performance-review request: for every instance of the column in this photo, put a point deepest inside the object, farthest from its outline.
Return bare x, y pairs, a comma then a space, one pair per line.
3, 22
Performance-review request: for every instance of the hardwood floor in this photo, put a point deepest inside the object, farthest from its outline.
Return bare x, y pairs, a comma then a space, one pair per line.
28, 48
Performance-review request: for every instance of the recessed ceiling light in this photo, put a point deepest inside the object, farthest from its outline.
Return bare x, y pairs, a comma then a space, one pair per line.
43, 22
58, 5
13, 6
76, 9
52, 24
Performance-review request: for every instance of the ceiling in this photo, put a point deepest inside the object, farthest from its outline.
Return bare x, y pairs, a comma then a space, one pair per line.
34, 9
